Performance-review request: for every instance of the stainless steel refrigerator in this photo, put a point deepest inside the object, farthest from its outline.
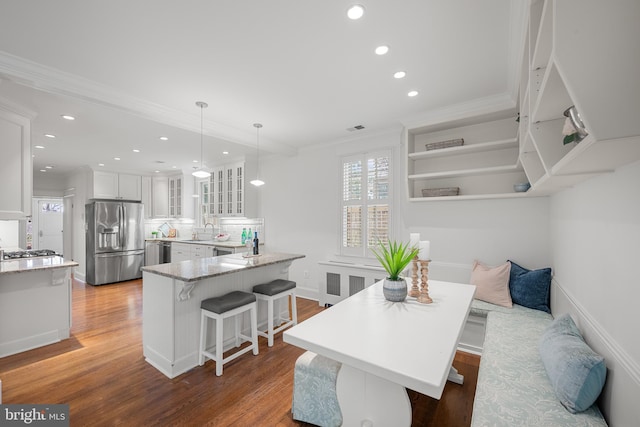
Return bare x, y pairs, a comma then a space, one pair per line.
114, 240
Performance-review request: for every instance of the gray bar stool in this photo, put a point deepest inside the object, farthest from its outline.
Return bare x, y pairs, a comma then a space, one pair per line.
219, 308
271, 292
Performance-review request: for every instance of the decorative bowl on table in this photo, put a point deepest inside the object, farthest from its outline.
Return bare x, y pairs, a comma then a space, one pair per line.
522, 187
222, 237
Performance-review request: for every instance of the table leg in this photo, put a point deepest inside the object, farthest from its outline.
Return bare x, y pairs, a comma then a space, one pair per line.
366, 397
454, 376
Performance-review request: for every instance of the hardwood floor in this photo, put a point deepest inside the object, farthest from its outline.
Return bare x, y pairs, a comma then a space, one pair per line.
101, 373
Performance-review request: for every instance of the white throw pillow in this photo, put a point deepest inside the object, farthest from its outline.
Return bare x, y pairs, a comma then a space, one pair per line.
492, 283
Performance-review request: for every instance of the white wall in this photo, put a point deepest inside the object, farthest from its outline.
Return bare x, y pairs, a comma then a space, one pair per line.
48, 185
79, 183
301, 206
595, 238
595, 229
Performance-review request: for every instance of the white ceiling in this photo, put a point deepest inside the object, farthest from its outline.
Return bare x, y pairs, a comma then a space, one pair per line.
131, 71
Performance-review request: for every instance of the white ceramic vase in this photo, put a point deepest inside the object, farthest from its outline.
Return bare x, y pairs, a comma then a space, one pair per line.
394, 290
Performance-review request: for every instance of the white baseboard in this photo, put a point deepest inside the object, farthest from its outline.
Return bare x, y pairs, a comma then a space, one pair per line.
618, 401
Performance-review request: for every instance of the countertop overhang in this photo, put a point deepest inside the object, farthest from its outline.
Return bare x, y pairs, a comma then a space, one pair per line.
203, 268
23, 265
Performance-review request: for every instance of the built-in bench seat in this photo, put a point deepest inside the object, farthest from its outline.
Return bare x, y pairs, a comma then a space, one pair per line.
513, 388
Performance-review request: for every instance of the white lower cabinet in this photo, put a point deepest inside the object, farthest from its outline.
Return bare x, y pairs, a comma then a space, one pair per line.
190, 251
180, 252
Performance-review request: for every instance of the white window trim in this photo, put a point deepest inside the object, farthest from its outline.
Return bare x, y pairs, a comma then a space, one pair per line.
364, 253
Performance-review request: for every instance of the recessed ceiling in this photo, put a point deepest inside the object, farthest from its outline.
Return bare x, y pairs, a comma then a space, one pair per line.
130, 72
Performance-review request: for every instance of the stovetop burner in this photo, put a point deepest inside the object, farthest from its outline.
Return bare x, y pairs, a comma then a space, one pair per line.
29, 254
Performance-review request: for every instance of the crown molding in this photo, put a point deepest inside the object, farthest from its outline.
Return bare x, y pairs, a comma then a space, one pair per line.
491, 105
51, 80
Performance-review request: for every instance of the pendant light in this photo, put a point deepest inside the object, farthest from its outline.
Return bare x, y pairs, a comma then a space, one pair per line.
257, 182
201, 172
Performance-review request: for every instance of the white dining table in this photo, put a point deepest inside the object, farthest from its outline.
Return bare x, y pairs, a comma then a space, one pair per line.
387, 347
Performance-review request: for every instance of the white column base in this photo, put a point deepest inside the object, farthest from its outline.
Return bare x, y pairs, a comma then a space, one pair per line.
368, 400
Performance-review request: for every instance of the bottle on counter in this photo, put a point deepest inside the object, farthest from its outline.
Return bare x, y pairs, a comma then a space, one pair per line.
255, 244
243, 238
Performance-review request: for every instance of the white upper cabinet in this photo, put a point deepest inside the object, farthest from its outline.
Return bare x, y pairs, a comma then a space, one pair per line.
147, 197
181, 200
130, 187
160, 187
579, 53
172, 196
112, 185
227, 192
16, 170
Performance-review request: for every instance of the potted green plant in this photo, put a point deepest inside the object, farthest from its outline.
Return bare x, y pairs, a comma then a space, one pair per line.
394, 258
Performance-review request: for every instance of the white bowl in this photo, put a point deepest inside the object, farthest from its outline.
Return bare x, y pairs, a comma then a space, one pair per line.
222, 237
521, 188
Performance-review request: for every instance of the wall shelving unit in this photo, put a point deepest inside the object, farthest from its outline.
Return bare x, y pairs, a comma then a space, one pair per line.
577, 53
486, 166
565, 63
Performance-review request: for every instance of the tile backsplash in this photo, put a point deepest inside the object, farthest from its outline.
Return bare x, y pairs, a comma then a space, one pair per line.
9, 234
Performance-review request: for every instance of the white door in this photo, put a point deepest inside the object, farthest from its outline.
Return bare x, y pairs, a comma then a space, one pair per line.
50, 224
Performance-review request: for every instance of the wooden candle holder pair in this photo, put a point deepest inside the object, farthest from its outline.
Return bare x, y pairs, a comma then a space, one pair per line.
422, 293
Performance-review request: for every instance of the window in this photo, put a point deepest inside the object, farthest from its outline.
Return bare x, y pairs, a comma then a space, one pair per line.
366, 203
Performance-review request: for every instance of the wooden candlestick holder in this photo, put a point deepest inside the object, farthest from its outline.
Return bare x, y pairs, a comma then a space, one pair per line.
424, 297
414, 291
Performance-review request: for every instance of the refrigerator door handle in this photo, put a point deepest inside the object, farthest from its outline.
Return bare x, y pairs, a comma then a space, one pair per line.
109, 255
123, 234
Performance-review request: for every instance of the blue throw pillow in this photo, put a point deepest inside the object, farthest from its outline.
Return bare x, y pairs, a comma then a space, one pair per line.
530, 288
576, 372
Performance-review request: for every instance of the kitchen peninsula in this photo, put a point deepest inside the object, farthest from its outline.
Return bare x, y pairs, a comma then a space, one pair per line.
171, 297
35, 302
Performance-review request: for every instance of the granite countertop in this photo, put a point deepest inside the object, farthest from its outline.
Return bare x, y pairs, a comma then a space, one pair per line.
227, 244
203, 268
23, 265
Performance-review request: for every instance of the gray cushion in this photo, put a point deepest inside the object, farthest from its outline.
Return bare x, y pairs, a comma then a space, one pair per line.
227, 302
274, 287
576, 372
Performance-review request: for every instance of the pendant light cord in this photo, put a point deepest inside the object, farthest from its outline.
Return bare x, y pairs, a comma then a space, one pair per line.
257, 126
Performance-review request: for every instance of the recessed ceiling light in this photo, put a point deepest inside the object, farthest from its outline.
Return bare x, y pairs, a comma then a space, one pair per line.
48, 167
382, 50
68, 117
355, 12
164, 138
174, 167
48, 135
100, 164
412, 93
225, 152
42, 170
116, 158
39, 146
135, 150
195, 161
157, 171
399, 74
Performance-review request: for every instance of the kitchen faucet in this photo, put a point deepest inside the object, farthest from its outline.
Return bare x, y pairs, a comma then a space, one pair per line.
205, 226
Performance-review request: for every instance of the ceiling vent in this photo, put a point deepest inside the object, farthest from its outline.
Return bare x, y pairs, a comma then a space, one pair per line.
355, 128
